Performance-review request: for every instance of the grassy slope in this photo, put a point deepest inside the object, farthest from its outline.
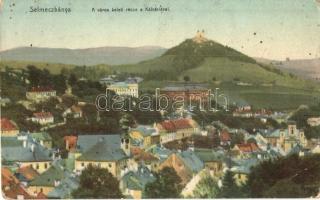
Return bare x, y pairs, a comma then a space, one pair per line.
54, 68
224, 69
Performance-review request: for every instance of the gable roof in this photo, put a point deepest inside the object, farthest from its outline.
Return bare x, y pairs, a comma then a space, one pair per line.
27, 173
85, 142
12, 150
48, 177
15, 189
103, 151
174, 125
8, 125
191, 161
248, 148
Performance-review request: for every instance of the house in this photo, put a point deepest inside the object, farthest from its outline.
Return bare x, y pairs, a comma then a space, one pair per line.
8, 128
74, 111
225, 138
125, 89
25, 152
70, 142
39, 94
43, 138
188, 91
186, 163
50, 179
65, 188
106, 151
314, 121
243, 113
134, 182
213, 160
245, 150
286, 139
106, 81
241, 170
11, 187
144, 136
42, 118
177, 129
146, 158
26, 174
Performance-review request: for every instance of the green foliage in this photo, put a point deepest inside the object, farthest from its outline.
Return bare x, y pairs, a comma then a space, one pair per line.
312, 132
97, 183
44, 78
166, 185
206, 188
186, 78
301, 116
291, 176
229, 187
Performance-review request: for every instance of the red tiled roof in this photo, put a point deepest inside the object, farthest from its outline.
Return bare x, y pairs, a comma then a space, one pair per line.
174, 125
11, 186
28, 172
43, 115
41, 89
7, 177
72, 141
248, 148
225, 136
7, 125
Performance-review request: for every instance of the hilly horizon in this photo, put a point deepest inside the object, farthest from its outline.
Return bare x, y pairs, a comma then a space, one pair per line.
89, 56
204, 60
239, 76
305, 68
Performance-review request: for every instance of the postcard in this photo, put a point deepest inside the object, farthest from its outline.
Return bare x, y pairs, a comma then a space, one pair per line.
137, 99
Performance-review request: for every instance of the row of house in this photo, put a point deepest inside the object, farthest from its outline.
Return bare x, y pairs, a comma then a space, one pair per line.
163, 132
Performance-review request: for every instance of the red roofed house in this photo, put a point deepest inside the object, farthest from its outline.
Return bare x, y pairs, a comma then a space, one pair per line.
176, 129
245, 150
11, 187
8, 128
71, 142
42, 118
40, 93
225, 138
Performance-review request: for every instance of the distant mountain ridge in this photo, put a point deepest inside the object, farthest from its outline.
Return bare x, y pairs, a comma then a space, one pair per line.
88, 56
306, 68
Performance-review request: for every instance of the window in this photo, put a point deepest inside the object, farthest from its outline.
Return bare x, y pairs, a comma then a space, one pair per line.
109, 165
45, 165
37, 166
82, 164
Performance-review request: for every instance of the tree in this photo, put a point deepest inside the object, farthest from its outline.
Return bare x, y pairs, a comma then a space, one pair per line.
72, 79
186, 78
97, 183
229, 187
206, 188
166, 185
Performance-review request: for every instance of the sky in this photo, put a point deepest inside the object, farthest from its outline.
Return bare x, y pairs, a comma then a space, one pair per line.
274, 29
